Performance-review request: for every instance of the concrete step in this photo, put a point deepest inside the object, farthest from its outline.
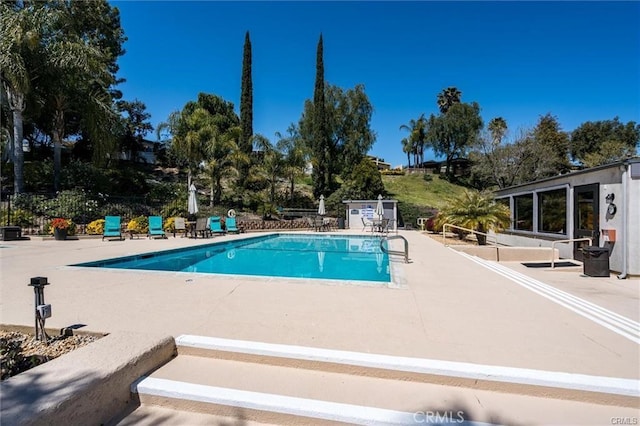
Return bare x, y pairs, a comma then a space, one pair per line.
283, 384
153, 415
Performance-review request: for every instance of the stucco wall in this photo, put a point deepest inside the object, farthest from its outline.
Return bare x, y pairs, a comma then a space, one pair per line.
356, 209
633, 211
610, 181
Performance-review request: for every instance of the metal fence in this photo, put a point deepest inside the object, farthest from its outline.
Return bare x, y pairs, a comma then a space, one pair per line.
33, 212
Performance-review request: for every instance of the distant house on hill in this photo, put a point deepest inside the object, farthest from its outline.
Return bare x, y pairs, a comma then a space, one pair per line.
379, 162
459, 166
431, 166
146, 155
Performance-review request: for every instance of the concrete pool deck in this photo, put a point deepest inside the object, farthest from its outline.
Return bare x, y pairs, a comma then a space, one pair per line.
451, 307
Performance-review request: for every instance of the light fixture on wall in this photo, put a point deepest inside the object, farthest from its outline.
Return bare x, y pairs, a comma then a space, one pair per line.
612, 209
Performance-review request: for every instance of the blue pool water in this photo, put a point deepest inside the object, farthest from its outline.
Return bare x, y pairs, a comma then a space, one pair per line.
339, 257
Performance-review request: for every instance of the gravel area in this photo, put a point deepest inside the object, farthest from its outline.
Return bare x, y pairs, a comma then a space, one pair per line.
21, 351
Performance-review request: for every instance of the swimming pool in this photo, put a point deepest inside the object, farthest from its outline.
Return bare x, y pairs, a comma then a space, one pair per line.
334, 257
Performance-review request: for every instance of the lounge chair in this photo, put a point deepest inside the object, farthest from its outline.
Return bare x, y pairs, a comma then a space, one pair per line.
215, 226
112, 228
202, 228
366, 223
155, 227
179, 225
230, 224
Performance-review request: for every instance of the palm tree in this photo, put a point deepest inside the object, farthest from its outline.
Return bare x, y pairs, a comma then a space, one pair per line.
220, 163
66, 93
272, 165
417, 138
19, 43
222, 152
295, 157
53, 52
498, 127
191, 132
407, 148
447, 98
475, 210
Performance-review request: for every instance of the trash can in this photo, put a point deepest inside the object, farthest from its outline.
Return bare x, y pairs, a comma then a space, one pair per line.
596, 261
10, 233
341, 223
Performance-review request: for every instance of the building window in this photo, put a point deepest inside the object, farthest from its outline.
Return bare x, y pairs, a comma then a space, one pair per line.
523, 215
552, 211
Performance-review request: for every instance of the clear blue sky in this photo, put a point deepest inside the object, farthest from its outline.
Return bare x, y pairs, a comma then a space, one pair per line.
579, 61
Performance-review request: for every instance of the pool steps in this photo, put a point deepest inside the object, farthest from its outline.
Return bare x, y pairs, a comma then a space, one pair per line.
286, 384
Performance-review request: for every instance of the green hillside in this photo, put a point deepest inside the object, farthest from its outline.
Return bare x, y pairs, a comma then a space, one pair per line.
418, 197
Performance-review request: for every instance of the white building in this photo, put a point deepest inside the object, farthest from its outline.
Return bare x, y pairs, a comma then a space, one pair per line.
360, 211
602, 203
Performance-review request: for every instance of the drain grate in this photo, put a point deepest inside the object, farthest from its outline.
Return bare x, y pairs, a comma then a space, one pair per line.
548, 264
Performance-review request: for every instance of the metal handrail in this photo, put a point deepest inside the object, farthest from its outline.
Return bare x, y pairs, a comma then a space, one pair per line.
444, 229
422, 222
565, 241
404, 253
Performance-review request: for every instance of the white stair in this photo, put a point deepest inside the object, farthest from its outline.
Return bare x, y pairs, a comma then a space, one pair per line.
283, 384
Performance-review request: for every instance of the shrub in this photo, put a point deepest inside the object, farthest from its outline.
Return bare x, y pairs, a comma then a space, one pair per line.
170, 224
267, 211
96, 227
410, 212
71, 204
19, 217
392, 172
13, 360
138, 225
85, 175
475, 210
432, 225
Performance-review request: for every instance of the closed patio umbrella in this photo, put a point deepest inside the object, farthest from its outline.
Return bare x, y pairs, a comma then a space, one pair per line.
193, 200
321, 209
379, 208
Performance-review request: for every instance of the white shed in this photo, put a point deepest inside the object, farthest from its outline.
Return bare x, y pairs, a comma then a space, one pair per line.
359, 210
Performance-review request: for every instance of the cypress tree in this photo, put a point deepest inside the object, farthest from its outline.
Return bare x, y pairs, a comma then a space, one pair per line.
319, 127
246, 103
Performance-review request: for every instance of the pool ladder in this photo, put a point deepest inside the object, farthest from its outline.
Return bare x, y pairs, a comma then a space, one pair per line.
404, 253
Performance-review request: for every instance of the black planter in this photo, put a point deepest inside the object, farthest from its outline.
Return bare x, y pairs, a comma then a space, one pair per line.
60, 234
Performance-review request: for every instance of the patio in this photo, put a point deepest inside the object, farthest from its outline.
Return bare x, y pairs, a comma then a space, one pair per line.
449, 308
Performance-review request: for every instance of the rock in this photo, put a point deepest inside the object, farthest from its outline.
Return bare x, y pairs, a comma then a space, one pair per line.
22, 351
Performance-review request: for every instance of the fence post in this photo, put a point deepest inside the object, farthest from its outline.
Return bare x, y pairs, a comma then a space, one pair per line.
8, 209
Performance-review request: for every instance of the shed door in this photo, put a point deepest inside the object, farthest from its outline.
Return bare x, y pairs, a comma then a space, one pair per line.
585, 216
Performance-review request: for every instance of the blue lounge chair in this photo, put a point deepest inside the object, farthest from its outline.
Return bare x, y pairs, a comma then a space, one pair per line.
215, 225
231, 225
112, 227
155, 227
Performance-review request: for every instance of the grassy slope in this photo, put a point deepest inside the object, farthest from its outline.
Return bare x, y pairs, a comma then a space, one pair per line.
413, 189
417, 196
